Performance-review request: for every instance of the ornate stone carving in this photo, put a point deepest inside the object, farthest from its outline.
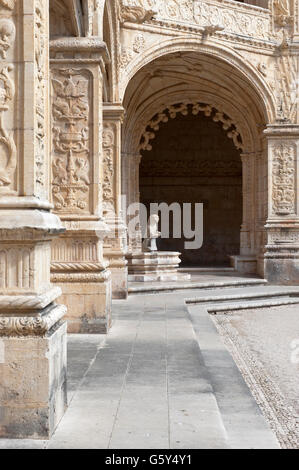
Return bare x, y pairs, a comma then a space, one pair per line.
241, 19
108, 155
135, 13
185, 108
7, 36
71, 140
32, 326
287, 88
41, 71
139, 43
281, 12
9, 4
283, 187
8, 154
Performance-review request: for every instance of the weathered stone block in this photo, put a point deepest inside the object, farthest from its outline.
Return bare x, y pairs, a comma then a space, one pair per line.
33, 392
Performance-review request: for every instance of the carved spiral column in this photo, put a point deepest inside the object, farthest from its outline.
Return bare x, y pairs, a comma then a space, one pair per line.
281, 259
32, 332
115, 242
78, 264
130, 189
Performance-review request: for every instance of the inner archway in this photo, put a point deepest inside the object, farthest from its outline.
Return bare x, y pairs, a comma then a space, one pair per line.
191, 154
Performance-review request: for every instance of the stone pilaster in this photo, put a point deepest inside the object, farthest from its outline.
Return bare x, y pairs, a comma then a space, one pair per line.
130, 188
281, 258
246, 262
78, 264
115, 243
32, 332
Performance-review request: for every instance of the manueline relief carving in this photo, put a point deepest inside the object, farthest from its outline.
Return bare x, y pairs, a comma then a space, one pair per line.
243, 20
185, 108
7, 36
135, 12
41, 58
283, 187
8, 152
108, 154
71, 140
287, 88
9, 4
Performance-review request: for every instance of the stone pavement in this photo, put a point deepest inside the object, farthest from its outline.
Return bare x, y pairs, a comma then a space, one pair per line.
161, 379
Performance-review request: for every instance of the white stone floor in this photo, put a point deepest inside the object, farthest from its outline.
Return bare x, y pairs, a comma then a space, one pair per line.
162, 378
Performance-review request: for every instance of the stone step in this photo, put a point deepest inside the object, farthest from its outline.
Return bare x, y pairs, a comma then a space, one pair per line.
241, 297
250, 304
152, 289
245, 426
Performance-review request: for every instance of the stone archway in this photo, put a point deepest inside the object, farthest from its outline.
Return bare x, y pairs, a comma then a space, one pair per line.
203, 80
190, 154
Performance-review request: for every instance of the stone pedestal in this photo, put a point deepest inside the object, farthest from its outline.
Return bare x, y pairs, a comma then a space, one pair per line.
155, 266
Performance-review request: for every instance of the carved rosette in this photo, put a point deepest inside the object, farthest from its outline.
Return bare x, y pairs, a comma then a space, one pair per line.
8, 153
283, 177
71, 146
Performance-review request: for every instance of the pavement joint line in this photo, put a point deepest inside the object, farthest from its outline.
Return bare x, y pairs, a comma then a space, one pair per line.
99, 347
126, 374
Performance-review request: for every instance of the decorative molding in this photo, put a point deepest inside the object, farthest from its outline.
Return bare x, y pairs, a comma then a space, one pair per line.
185, 108
32, 326
241, 19
71, 116
8, 157
40, 85
29, 302
75, 267
108, 162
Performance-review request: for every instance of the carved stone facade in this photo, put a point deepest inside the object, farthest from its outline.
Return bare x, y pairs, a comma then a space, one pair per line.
78, 264
72, 142
32, 329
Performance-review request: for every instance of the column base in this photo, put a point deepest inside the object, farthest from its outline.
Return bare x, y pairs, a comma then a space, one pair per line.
88, 301
244, 264
33, 392
282, 271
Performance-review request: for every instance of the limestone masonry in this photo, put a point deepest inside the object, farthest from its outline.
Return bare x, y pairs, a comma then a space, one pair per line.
155, 100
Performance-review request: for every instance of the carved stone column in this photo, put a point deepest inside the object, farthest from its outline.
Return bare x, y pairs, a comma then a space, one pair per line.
281, 258
78, 265
115, 242
130, 189
246, 262
32, 332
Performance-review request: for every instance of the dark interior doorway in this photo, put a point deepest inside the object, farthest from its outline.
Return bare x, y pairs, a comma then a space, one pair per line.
193, 160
